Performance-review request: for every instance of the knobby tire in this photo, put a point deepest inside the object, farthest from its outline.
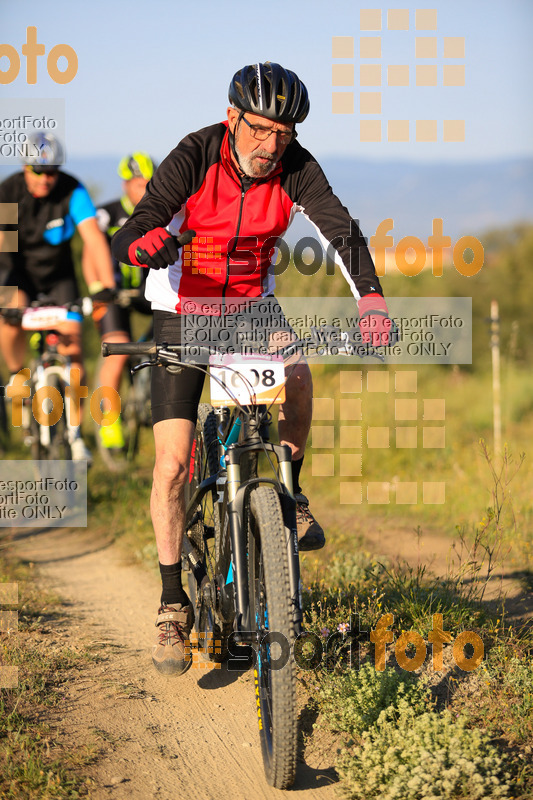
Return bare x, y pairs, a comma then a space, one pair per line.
60, 448
270, 605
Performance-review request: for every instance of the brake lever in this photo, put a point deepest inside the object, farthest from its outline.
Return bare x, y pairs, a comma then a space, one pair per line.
142, 365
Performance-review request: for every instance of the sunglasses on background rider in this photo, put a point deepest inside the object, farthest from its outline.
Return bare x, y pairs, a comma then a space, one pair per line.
44, 170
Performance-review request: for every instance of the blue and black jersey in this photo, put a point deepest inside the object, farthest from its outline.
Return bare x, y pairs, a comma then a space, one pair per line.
45, 228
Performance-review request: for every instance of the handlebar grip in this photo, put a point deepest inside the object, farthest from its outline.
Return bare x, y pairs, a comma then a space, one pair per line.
106, 295
185, 238
129, 348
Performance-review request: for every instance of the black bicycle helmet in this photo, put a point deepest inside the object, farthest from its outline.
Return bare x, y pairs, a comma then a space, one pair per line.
270, 91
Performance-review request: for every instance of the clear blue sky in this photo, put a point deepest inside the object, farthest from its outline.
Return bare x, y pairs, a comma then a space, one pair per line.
151, 72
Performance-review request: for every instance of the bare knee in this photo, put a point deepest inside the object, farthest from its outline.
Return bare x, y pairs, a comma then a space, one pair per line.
170, 473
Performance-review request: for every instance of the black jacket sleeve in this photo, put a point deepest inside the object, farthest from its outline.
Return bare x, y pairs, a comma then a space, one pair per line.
308, 187
177, 178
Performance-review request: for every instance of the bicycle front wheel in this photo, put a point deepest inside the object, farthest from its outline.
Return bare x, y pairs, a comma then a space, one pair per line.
59, 447
271, 610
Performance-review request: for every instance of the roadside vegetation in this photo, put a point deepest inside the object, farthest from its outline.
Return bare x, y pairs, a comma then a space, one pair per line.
440, 730
36, 761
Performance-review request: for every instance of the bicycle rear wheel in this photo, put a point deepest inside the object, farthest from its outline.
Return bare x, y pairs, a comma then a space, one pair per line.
210, 540
270, 605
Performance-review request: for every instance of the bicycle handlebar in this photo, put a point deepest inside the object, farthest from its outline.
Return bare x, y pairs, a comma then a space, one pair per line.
154, 349
13, 316
185, 238
129, 348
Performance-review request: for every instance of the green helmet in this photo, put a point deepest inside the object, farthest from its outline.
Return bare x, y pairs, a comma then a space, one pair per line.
136, 165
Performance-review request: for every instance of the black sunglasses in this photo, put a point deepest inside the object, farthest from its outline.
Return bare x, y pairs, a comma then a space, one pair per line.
44, 170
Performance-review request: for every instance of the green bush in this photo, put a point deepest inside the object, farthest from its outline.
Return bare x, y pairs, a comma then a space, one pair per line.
429, 756
353, 701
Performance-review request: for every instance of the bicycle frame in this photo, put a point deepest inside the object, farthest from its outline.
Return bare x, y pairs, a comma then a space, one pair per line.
40, 378
235, 601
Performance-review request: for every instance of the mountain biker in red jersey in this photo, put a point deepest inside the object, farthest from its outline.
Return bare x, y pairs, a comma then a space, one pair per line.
237, 184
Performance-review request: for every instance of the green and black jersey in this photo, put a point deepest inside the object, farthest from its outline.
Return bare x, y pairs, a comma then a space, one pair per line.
111, 217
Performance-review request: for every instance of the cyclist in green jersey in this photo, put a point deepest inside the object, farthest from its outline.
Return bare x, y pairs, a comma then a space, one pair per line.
113, 321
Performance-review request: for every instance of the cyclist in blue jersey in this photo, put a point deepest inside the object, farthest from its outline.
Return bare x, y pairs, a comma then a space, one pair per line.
51, 206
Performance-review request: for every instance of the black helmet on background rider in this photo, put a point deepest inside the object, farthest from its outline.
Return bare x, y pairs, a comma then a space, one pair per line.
44, 151
270, 91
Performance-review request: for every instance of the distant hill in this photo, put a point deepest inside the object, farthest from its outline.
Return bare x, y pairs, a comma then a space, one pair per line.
469, 197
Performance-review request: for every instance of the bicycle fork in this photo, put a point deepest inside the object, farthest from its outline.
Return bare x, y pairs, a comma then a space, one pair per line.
236, 495
42, 375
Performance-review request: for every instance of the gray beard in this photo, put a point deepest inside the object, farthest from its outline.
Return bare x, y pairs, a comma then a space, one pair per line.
250, 166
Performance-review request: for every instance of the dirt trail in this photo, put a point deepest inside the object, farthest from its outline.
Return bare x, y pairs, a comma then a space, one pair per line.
189, 737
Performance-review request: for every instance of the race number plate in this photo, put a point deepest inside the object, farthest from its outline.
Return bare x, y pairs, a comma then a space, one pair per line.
46, 317
250, 379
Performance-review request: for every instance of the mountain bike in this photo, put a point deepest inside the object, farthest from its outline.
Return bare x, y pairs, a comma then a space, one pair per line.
49, 370
240, 548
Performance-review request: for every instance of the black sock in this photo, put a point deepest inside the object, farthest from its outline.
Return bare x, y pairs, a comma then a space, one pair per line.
173, 592
295, 469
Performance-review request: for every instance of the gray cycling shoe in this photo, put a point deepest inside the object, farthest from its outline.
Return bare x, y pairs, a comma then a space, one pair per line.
310, 533
171, 652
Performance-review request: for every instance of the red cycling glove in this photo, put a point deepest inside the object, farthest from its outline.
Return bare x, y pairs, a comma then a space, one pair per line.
156, 249
376, 326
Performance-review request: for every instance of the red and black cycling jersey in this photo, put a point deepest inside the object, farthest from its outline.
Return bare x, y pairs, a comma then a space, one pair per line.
45, 227
237, 224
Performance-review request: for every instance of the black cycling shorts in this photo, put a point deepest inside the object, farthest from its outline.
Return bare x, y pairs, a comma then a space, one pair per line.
178, 396
173, 396
115, 319
60, 292
118, 319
